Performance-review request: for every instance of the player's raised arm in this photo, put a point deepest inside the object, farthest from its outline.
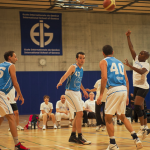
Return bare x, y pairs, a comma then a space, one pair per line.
12, 71
130, 44
65, 76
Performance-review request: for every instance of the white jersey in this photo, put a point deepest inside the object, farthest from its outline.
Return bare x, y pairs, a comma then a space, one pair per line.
11, 96
46, 107
138, 79
90, 105
61, 106
98, 86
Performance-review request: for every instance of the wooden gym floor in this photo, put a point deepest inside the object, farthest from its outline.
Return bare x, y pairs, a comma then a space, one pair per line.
57, 139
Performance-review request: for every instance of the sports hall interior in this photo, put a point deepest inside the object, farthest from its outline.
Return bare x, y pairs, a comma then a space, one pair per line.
86, 30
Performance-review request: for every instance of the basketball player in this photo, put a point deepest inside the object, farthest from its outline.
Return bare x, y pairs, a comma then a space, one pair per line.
12, 99
141, 86
74, 77
8, 80
114, 78
99, 121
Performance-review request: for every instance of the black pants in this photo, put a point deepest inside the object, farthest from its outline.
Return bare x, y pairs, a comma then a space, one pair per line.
91, 115
85, 117
99, 120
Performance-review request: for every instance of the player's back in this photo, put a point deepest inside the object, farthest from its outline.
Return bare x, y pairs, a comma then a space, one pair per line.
115, 72
5, 79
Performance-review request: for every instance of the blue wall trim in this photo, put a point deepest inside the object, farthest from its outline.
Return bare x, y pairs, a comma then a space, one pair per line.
34, 85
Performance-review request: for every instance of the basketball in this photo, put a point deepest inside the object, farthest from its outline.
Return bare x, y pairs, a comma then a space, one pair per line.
109, 5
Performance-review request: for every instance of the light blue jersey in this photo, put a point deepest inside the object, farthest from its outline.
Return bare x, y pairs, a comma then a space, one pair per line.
115, 72
74, 80
5, 79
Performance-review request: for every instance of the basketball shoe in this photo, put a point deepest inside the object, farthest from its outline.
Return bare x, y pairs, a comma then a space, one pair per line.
19, 146
73, 139
82, 140
138, 143
112, 147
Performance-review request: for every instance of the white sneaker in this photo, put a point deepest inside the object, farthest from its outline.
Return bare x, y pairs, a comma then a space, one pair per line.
44, 128
55, 127
138, 143
103, 128
59, 126
86, 125
20, 127
98, 128
140, 133
112, 147
70, 125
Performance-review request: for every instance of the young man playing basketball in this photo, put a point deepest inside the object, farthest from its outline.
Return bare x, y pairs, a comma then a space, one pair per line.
114, 78
141, 86
74, 77
8, 79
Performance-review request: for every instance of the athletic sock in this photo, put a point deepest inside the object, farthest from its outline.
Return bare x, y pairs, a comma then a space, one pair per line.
16, 141
134, 135
112, 140
79, 135
73, 134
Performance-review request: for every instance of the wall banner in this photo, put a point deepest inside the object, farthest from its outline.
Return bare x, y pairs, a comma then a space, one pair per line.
41, 33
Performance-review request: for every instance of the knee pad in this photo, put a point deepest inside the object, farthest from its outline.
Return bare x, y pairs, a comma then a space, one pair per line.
138, 110
144, 113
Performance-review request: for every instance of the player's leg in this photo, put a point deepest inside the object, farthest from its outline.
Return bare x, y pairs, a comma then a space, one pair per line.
74, 98
121, 111
6, 110
52, 116
44, 116
58, 119
103, 122
1, 120
130, 129
98, 116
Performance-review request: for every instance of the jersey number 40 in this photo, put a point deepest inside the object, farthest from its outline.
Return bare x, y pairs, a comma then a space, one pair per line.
117, 68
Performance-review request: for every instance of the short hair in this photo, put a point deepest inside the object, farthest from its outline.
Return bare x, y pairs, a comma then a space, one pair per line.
46, 96
7, 54
107, 50
77, 55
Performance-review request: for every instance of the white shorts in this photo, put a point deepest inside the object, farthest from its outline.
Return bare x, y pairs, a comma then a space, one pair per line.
116, 100
5, 107
74, 99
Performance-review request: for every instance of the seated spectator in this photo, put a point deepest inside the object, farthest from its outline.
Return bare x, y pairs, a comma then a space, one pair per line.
90, 106
62, 111
46, 112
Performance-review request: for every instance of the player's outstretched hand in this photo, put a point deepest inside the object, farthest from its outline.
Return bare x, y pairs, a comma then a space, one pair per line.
85, 94
126, 62
128, 33
21, 99
99, 100
59, 84
16, 98
88, 90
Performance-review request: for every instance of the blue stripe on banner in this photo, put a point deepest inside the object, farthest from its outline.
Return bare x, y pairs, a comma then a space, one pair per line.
5, 103
115, 92
72, 102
